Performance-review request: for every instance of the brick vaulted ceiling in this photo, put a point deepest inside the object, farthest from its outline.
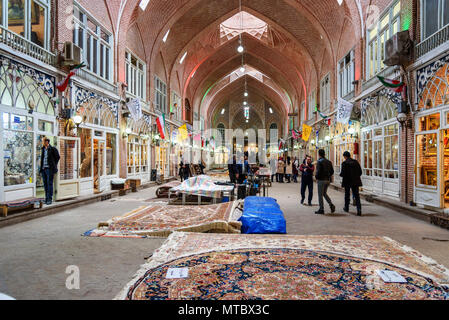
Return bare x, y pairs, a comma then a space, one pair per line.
303, 41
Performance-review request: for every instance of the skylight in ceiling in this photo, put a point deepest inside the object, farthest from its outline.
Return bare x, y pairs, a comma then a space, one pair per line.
232, 27
143, 4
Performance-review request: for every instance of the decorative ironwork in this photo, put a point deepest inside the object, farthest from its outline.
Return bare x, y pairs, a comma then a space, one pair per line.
82, 96
432, 42
424, 74
44, 81
23, 45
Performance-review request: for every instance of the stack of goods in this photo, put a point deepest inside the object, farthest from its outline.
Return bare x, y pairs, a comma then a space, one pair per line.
262, 216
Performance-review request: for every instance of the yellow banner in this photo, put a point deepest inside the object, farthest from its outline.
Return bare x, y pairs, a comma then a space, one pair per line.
183, 133
306, 131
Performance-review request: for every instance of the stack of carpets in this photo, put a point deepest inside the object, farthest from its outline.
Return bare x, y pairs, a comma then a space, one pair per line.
162, 220
162, 191
286, 268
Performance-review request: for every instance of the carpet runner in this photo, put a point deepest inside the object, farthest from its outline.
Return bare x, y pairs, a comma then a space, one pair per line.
223, 267
161, 220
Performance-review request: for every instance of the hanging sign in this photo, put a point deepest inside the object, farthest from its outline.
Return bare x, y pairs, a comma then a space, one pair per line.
135, 108
306, 131
344, 111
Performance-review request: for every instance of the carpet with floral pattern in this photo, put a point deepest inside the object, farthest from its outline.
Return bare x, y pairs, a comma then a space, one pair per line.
280, 267
160, 220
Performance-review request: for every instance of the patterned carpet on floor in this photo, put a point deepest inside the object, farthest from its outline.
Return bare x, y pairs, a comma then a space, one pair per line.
160, 220
275, 267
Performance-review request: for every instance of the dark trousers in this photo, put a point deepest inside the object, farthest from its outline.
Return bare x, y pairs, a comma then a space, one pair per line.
288, 177
295, 178
280, 178
306, 184
47, 176
355, 195
272, 178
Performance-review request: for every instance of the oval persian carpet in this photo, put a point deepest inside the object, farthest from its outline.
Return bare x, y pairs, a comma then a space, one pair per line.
280, 273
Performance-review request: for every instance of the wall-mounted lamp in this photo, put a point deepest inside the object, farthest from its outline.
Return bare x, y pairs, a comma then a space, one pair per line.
404, 121
126, 133
78, 120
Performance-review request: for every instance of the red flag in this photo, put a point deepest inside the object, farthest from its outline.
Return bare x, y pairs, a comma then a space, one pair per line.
63, 85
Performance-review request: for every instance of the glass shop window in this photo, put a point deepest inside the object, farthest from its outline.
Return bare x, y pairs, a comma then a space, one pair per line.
391, 152
85, 136
111, 153
428, 123
427, 170
367, 153
45, 126
17, 149
33, 25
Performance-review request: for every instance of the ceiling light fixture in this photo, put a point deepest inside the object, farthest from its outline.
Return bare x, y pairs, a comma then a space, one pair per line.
246, 94
340, 2
271, 110
223, 111
240, 48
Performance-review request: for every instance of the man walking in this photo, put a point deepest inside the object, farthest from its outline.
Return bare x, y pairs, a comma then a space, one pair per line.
307, 170
324, 173
232, 168
49, 167
351, 173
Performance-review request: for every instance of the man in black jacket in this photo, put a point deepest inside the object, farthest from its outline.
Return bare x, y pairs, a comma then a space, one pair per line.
324, 173
232, 168
49, 167
351, 173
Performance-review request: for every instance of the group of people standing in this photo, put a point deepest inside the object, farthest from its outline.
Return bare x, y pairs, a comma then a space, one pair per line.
287, 169
323, 172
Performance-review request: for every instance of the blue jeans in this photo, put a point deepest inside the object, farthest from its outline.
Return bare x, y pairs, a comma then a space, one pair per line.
47, 176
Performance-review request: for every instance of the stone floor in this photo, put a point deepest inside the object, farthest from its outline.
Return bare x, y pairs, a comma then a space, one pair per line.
34, 255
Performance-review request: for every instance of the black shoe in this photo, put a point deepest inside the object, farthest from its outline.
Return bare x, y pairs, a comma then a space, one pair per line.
359, 213
310, 204
333, 209
319, 212
346, 210
302, 201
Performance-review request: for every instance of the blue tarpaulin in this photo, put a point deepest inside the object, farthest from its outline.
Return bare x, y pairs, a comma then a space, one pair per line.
262, 216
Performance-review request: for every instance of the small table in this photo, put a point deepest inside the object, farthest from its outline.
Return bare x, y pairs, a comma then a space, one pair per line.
265, 181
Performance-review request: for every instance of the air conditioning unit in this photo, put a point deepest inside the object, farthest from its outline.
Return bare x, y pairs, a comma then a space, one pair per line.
398, 49
73, 55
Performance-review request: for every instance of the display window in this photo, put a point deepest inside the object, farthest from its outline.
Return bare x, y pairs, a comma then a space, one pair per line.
111, 154
137, 155
85, 136
18, 150
427, 164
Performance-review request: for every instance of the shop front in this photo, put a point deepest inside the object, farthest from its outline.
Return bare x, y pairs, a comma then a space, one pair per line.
345, 138
380, 142
432, 137
96, 141
28, 115
138, 149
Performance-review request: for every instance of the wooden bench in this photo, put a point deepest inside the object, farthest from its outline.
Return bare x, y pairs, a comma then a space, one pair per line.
134, 184
20, 204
